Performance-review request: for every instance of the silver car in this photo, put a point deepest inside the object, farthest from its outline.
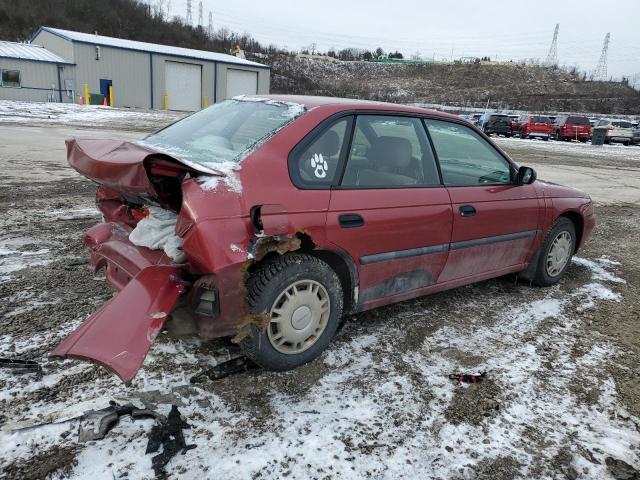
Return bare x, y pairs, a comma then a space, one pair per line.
620, 131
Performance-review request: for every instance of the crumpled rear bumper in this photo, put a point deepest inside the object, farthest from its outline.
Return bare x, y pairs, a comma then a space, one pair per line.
110, 248
120, 333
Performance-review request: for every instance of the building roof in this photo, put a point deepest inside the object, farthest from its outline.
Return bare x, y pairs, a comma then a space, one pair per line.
147, 47
28, 51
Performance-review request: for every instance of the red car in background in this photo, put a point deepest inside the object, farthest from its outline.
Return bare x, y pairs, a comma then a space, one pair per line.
572, 127
272, 218
535, 126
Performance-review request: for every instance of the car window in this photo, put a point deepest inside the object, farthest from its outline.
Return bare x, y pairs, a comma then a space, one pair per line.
539, 119
225, 132
390, 151
318, 163
465, 157
622, 124
578, 121
602, 123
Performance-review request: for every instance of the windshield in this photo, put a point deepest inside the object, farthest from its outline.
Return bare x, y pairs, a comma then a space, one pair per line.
621, 124
225, 132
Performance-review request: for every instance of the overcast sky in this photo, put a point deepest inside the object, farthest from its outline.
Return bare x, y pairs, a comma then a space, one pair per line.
436, 28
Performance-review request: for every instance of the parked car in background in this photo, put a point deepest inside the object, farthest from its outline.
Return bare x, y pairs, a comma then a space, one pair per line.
514, 124
635, 139
497, 123
572, 127
272, 218
535, 126
618, 131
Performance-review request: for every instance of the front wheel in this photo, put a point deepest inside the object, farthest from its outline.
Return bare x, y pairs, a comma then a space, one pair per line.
555, 253
302, 296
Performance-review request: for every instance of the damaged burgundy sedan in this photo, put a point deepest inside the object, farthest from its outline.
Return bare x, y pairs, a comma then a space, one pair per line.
269, 219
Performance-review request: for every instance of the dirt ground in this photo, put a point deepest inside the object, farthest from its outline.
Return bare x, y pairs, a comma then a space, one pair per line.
561, 398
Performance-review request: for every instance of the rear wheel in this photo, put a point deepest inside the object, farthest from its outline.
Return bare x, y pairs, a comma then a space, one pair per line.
555, 253
303, 297
522, 135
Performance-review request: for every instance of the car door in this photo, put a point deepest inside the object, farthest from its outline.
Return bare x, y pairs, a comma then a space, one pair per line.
390, 211
495, 221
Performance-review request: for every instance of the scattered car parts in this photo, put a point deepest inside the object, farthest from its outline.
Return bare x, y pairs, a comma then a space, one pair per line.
20, 366
95, 424
168, 434
224, 369
468, 378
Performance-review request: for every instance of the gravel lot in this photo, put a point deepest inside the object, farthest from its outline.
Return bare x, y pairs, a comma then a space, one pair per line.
561, 398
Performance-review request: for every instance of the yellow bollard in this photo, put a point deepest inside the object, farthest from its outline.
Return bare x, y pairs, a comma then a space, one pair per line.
111, 95
205, 102
86, 94
166, 101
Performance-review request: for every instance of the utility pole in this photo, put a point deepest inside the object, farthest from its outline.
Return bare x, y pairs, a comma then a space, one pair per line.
601, 69
210, 29
552, 56
200, 20
189, 17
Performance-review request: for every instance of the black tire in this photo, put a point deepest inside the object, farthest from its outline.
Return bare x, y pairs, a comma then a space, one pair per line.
266, 284
541, 276
546, 139
522, 135
559, 137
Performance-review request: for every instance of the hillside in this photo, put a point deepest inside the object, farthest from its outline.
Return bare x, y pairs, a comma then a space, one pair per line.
503, 86
515, 86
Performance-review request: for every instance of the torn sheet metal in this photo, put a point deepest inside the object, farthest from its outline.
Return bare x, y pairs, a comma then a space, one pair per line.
119, 334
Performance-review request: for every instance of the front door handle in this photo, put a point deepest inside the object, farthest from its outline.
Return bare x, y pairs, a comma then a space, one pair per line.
467, 211
350, 220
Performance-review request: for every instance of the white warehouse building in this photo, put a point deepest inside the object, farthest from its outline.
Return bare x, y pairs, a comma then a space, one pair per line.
58, 65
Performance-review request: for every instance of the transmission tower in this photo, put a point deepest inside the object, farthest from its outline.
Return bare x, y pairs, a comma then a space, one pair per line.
210, 29
200, 21
189, 17
552, 56
601, 70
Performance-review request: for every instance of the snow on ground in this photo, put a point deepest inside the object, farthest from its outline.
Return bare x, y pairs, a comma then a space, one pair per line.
377, 410
13, 112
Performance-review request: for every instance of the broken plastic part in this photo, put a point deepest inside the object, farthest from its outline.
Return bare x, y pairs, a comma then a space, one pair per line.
224, 369
95, 424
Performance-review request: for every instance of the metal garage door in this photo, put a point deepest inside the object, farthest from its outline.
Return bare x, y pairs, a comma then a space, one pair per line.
241, 82
184, 85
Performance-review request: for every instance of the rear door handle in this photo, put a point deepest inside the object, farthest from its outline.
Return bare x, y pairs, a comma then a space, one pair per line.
350, 220
467, 211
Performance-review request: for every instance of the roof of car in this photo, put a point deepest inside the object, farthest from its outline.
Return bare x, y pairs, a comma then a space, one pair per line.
352, 104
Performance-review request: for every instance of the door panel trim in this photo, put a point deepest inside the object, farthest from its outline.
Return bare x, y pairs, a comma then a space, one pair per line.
488, 240
414, 252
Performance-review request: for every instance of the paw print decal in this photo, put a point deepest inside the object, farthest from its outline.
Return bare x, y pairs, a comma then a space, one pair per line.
320, 165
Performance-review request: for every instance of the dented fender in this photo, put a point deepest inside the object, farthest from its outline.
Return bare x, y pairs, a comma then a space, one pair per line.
120, 333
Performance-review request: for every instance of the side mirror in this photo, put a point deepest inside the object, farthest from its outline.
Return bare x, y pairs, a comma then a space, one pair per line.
526, 175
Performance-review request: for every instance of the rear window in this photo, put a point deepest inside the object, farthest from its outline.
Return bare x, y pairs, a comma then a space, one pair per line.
621, 124
538, 119
578, 121
225, 132
498, 117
